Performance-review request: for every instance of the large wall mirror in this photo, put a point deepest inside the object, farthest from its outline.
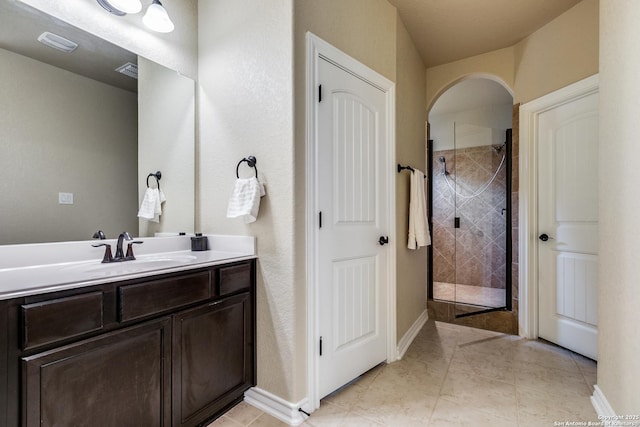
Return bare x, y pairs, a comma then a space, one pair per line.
78, 139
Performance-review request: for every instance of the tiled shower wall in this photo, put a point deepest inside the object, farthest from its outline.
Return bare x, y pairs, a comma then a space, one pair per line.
475, 253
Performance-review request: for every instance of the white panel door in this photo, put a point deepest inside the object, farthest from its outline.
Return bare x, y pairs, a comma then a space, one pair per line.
352, 265
568, 225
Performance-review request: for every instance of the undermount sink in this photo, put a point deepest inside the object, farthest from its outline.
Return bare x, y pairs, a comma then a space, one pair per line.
129, 267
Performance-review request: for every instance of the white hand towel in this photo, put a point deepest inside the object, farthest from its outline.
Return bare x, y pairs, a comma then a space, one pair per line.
418, 223
157, 210
148, 205
245, 199
151, 207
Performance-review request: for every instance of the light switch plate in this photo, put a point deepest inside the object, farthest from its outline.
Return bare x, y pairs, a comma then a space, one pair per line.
65, 198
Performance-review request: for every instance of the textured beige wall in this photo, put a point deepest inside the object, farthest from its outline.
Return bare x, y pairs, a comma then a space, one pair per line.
246, 108
55, 138
619, 293
411, 117
364, 29
558, 54
166, 135
497, 65
176, 50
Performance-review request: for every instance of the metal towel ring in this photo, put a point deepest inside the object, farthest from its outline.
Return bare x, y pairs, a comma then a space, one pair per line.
251, 161
157, 176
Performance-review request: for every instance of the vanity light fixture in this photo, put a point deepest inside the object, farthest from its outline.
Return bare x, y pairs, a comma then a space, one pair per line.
157, 18
121, 7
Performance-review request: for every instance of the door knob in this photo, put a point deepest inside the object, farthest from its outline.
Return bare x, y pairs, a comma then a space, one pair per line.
383, 240
544, 237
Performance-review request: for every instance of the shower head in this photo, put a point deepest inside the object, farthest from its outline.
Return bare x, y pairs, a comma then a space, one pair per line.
498, 148
442, 160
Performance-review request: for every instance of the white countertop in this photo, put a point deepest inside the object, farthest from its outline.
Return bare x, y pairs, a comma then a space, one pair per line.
41, 268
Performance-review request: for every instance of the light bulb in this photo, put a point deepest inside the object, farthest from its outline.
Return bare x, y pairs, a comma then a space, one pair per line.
127, 6
157, 18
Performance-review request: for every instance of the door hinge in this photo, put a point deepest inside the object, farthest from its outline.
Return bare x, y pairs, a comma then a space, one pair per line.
320, 219
456, 222
320, 346
320, 93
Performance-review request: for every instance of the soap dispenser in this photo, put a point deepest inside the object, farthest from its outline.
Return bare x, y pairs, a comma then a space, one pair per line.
199, 243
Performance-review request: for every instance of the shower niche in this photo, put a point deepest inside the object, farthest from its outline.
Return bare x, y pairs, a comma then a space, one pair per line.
470, 210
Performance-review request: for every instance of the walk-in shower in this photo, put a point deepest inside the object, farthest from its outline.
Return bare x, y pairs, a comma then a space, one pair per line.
471, 220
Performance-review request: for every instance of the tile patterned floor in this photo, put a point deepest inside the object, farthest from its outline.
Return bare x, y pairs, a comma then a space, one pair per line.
457, 376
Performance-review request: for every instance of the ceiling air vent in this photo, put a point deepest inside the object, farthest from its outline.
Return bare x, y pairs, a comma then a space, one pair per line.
129, 69
57, 42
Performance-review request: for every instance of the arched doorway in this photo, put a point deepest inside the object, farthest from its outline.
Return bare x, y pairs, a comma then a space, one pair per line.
470, 280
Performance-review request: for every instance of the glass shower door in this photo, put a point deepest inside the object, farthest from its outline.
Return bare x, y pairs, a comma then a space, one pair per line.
478, 180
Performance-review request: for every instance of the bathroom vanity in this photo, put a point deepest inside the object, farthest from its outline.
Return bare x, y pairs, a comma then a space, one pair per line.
172, 344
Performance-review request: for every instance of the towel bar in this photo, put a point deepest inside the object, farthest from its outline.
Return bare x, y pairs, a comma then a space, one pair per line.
251, 161
401, 168
157, 176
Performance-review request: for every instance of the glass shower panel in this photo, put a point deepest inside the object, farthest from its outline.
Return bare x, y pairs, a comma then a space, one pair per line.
477, 183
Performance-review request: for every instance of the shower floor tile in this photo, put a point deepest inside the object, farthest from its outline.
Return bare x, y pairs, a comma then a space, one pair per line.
465, 294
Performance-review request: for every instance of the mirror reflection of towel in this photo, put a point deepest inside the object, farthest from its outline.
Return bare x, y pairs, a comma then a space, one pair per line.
245, 199
151, 206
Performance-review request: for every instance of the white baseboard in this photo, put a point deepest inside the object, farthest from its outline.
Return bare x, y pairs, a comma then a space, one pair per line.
275, 406
411, 334
601, 404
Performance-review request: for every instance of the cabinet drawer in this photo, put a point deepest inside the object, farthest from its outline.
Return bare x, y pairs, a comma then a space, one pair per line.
50, 321
153, 297
233, 278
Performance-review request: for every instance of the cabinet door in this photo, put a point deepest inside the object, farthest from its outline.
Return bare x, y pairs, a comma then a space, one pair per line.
117, 379
212, 358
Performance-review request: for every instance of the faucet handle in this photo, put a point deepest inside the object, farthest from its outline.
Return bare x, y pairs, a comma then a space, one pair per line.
107, 252
130, 256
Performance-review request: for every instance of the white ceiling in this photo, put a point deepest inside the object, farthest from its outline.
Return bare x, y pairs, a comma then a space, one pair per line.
448, 30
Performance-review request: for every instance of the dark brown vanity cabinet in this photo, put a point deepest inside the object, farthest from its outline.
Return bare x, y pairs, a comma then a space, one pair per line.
117, 379
212, 353
169, 350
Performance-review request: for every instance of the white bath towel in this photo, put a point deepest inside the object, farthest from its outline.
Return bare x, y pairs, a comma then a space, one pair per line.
151, 206
418, 223
245, 199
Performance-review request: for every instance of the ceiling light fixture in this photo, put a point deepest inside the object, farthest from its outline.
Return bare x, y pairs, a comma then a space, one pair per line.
157, 18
